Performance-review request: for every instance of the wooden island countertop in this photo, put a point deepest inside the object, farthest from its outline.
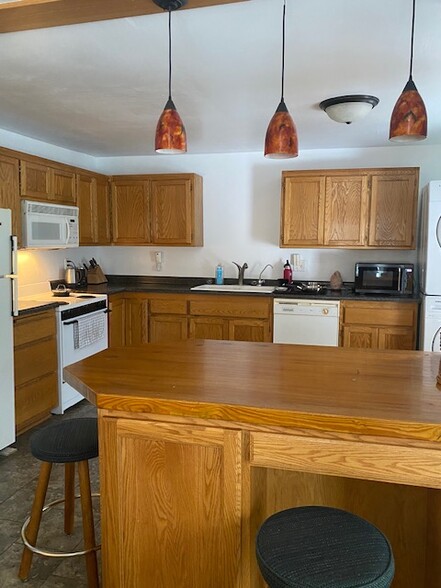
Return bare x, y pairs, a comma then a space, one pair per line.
250, 428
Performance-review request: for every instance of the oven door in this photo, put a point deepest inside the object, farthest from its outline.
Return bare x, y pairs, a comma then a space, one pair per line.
79, 338
378, 279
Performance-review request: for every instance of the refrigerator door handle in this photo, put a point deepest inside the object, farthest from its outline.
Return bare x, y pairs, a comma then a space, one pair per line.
13, 276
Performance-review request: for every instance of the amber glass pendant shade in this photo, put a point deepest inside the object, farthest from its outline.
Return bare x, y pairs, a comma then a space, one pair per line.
409, 118
281, 136
170, 131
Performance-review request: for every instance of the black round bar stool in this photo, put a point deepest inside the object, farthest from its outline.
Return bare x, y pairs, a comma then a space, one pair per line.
70, 442
323, 547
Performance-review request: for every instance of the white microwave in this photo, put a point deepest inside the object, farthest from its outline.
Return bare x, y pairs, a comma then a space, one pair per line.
49, 226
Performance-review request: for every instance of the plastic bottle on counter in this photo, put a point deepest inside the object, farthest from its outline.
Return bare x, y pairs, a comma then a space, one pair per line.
287, 272
219, 275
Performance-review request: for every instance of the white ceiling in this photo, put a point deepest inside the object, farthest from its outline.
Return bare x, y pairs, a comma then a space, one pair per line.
99, 88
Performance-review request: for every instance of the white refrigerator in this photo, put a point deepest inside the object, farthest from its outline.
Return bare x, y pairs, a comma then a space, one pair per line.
430, 267
8, 309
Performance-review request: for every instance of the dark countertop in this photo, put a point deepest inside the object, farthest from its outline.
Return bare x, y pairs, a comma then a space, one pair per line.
27, 307
177, 285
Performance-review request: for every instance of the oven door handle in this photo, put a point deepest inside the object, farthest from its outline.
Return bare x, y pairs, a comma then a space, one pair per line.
71, 323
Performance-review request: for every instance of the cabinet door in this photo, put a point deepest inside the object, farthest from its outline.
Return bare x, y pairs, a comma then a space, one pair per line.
86, 188
360, 337
171, 504
103, 236
346, 211
63, 186
302, 219
117, 321
249, 330
9, 191
171, 211
136, 313
35, 180
396, 338
206, 327
393, 210
166, 328
131, 212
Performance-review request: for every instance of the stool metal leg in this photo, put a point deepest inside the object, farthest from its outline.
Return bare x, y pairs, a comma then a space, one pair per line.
69, 497
88, 528
34, 524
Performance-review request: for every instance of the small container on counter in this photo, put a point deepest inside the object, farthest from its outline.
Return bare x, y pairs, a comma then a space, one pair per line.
287, 273
219, 278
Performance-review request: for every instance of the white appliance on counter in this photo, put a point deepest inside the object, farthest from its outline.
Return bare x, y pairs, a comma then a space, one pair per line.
306, 321
430, 267
82, 331
8, 309
49, 226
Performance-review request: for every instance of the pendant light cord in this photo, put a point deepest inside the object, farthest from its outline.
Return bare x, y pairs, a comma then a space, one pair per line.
283, 51
169, 54
411, 41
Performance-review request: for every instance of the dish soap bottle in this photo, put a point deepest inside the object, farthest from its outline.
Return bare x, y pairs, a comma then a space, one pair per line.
219, 275
287, 273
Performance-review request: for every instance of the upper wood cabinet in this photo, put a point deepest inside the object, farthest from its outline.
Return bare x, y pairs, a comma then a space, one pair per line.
352, 209
9, 191
42, 182
157, 210
94, 203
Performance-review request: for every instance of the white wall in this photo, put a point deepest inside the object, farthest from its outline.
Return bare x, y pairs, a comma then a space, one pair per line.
241, 214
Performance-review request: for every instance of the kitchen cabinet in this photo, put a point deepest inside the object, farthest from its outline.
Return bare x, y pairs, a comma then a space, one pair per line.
94, 203
9, 191
35, 368
379, 325
117, 320
233, 318
159, 318
39, 181
168, 319
352, 209
163, 209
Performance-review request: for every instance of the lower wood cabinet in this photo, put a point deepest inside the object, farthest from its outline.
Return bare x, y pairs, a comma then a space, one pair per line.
138, 318
191, 506
35, 365
379, 325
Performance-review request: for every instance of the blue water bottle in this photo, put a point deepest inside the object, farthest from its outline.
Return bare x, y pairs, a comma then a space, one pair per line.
219, 275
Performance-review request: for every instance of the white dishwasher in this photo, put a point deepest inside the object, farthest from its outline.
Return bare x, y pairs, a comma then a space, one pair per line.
306, 322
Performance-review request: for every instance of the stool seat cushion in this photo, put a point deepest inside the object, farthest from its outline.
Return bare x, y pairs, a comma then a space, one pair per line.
323, 547
69, 441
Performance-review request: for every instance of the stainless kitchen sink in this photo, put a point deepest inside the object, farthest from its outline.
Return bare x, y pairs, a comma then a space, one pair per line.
235, 288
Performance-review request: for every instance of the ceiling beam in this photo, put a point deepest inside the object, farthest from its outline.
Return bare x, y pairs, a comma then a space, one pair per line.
23, 15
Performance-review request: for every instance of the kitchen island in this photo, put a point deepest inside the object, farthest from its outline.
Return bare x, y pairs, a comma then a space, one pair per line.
200, 441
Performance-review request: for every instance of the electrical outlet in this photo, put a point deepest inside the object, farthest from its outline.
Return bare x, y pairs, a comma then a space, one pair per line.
298, 263
158, 260
65, 264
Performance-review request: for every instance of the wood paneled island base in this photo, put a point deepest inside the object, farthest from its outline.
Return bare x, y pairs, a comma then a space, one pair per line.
200, 441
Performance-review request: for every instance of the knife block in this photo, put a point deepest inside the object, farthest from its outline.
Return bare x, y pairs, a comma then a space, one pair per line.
96, 276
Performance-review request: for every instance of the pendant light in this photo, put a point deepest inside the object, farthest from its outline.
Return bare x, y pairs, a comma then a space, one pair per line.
409, 118
281, 136
170, 135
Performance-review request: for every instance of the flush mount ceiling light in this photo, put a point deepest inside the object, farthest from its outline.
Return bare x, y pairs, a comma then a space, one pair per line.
348, 109
409, 118
170, 137
281, 136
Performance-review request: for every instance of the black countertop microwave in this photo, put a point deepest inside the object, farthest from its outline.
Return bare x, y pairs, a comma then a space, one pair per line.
384, 278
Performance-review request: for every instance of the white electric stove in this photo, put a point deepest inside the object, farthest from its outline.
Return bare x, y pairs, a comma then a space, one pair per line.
82, 331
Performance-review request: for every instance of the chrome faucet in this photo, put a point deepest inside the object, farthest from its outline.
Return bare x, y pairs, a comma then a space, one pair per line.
260, 281
241, 269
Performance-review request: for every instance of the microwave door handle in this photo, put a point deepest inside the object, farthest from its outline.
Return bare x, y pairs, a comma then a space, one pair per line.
67, 231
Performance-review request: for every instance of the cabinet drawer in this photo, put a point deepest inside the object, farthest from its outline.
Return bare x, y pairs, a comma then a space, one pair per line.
168, 306
231, 306
32, 328
34, 399
380, 313
35, 360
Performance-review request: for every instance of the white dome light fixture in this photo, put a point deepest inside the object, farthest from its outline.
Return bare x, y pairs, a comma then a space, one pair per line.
349, 109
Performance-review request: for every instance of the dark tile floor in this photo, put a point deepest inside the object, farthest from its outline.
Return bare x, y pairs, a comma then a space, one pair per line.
18, 478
